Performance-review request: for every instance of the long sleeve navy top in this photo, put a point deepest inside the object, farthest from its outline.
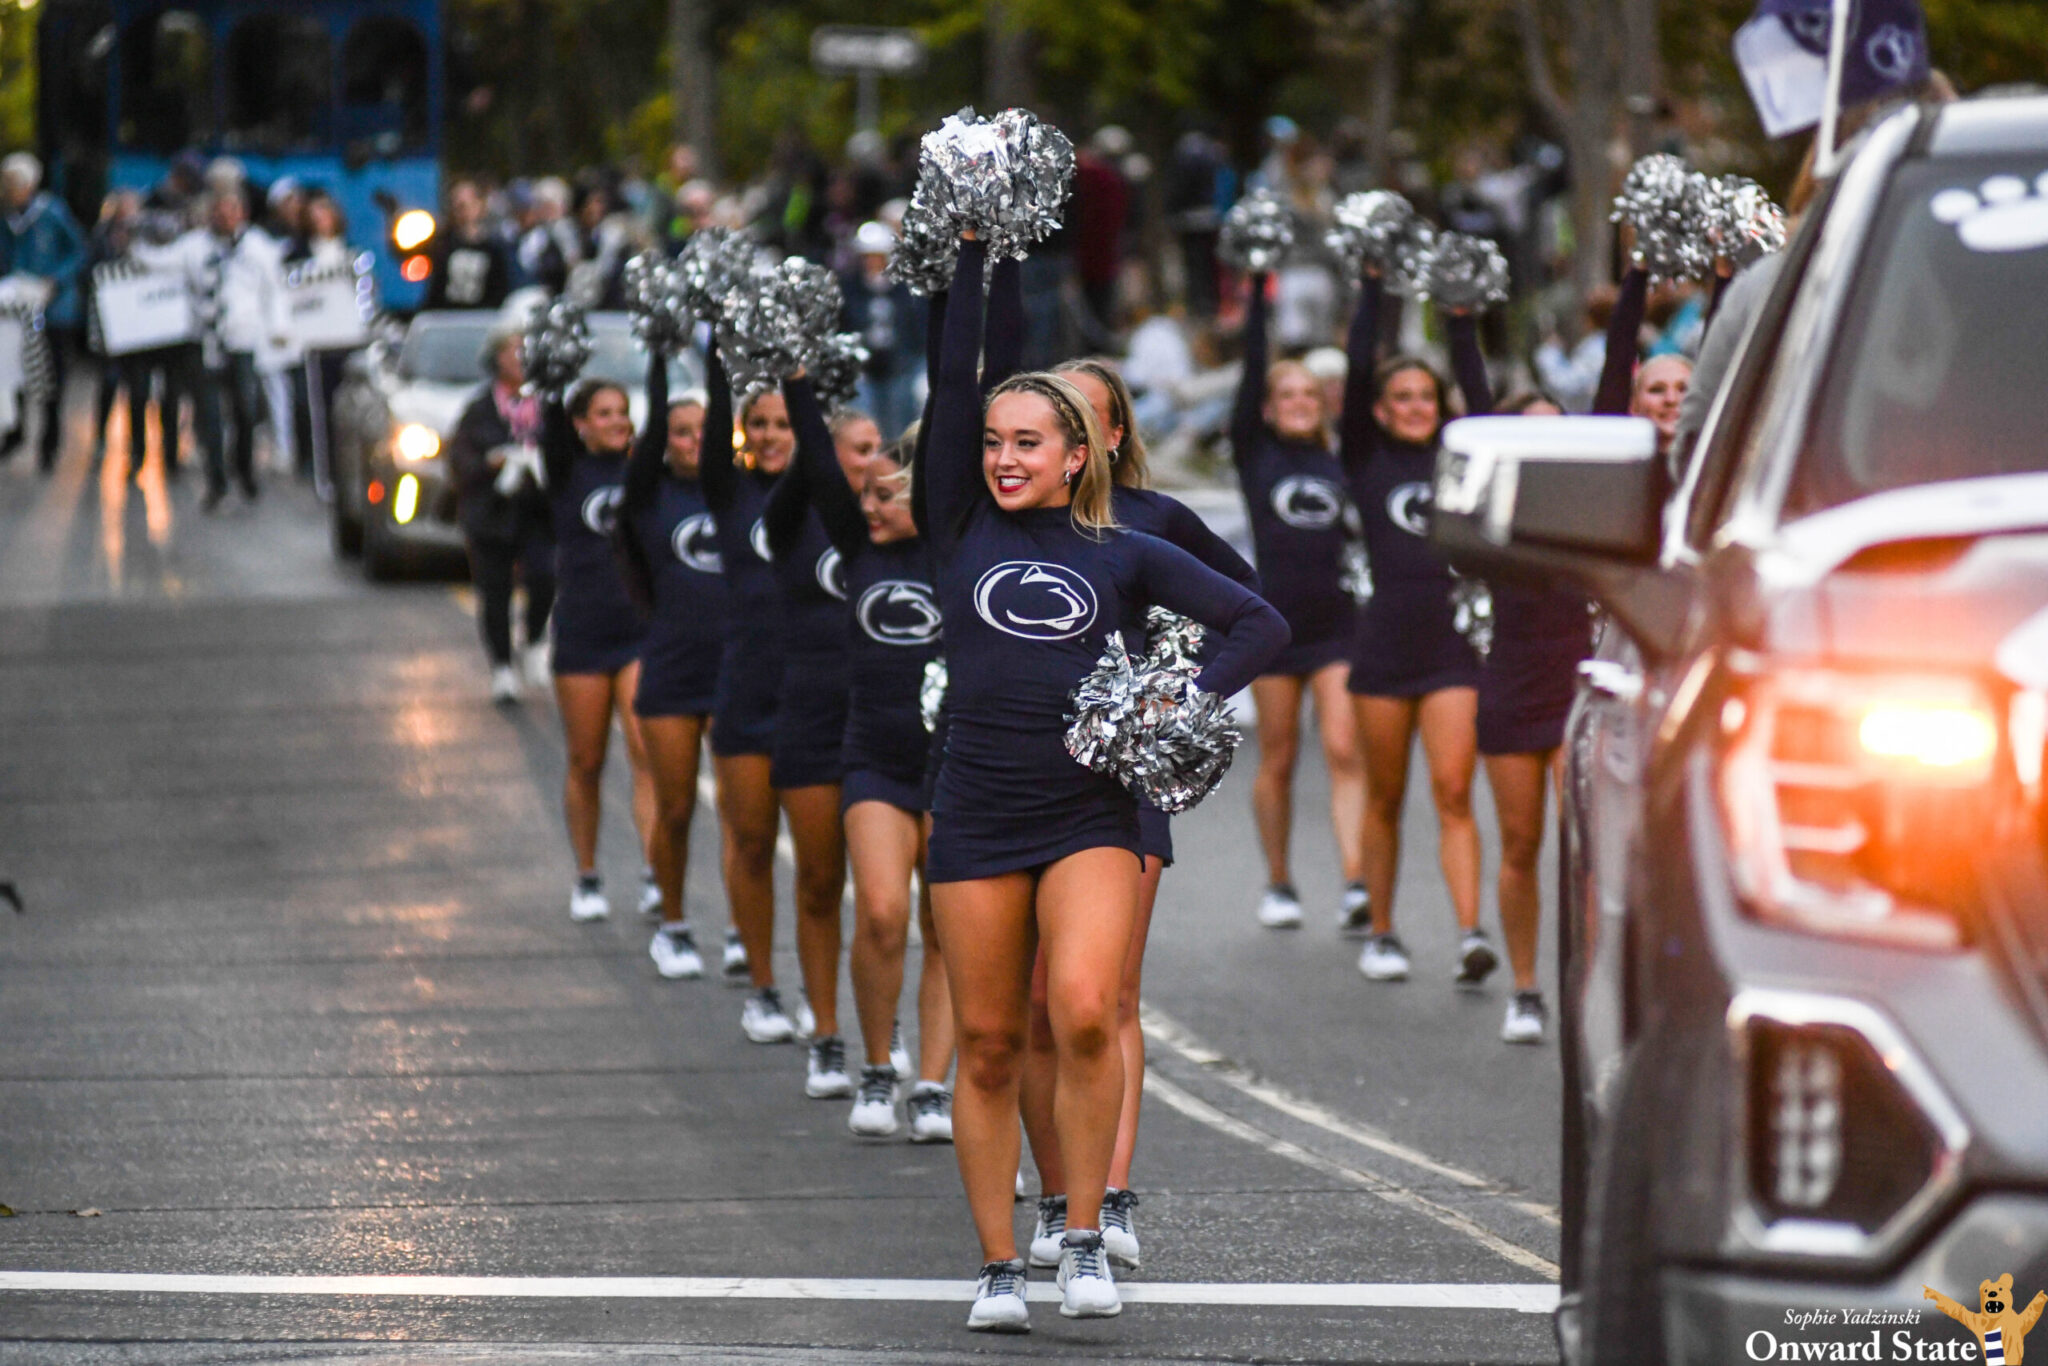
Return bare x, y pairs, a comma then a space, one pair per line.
674, 540
1028, 599
736, 498
894, 611
1294, 496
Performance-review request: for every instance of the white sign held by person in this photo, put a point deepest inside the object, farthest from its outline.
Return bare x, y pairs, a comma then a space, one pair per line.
326, 306
140, 310
13, 333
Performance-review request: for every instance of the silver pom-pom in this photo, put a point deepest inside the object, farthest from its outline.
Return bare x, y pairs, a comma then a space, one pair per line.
1743, 224
1472, 614
1144, 723
1465, 273
1356, 575
711, 265
925, 252
1665, 201
1380, 229
931, 694
1007, 178
557, 346
835, 372
1258, 233
654, 300
1171, 640
775, 321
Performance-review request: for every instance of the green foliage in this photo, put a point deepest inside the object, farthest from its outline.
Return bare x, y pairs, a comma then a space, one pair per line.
18, 73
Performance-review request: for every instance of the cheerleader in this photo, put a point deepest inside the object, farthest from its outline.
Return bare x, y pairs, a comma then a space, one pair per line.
1027, 846
895, 633
1411, 670
1294, 496
1138, 508
670, 551
810, 714
750, 665
597, 627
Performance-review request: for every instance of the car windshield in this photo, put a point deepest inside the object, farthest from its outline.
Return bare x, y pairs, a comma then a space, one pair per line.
445, 350
616, 355
1941, 372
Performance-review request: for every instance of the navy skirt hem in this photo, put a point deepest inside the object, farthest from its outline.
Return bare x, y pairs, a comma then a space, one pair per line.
1304, 657
872, 785
962, 849
1155, 835
1409, 688
578, 658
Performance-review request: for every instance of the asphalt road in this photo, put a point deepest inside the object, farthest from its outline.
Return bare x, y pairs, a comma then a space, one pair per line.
296, 994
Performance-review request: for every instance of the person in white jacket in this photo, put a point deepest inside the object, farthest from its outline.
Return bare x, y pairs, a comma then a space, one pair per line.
236, 276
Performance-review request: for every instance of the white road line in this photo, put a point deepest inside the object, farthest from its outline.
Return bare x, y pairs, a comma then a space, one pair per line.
1521, 1299
1199, 1110
1168, 1032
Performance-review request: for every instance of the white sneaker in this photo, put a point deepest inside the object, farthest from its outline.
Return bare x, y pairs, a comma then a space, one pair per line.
1526, 1018
999, 1300
1020, 1183
1476, 958
675, 956
538, 672
931, 1115
586, 901
1280, 909
1354, 912
803, 1018
899, 1056
874, 1106
825, 1075
762, 1019
1383, 959
1051, 1227
1119, 1235
650, 894
504, 685
735, 965
1087, 1290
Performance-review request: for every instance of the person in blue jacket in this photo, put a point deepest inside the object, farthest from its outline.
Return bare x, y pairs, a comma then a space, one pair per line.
39, 237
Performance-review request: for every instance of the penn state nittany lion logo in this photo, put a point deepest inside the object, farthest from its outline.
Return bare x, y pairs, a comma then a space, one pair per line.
601, 509
898, 612
758, 538
1034, 600
696, 544
1308, 503
1408, 508
1891, 52
831, 573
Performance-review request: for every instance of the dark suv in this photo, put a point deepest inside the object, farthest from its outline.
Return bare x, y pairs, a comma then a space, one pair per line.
1805, 900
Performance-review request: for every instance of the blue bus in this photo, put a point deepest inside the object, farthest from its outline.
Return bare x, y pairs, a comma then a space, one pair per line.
347, 95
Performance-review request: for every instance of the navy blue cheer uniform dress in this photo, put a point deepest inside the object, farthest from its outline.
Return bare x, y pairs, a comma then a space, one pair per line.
1172, 521
1541, 634
810, 577
1407, 643
677, 543
750, 666
598, 627
1300, 514
1028, 600
895, 629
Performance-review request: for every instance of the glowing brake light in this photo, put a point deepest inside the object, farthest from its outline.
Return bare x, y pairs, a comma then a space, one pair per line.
1940, 736
416, 269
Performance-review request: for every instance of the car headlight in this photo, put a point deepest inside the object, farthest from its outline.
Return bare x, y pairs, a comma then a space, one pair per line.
412, 229
414, 442
1862, 804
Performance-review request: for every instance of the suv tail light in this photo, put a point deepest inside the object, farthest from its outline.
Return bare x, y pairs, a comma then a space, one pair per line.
1860, 804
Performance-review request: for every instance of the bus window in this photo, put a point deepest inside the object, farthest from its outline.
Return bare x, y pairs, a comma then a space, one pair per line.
166, 83
280, 84
384, 85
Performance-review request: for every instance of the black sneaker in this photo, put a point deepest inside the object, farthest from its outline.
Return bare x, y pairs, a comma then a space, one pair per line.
826, 1077
1476, 958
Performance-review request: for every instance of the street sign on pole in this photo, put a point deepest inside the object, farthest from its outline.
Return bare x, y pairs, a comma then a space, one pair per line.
856, 49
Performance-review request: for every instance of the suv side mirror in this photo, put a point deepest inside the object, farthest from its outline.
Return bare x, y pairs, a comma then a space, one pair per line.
1579, 499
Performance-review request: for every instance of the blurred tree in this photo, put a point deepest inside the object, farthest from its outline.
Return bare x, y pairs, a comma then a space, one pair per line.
17, 73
